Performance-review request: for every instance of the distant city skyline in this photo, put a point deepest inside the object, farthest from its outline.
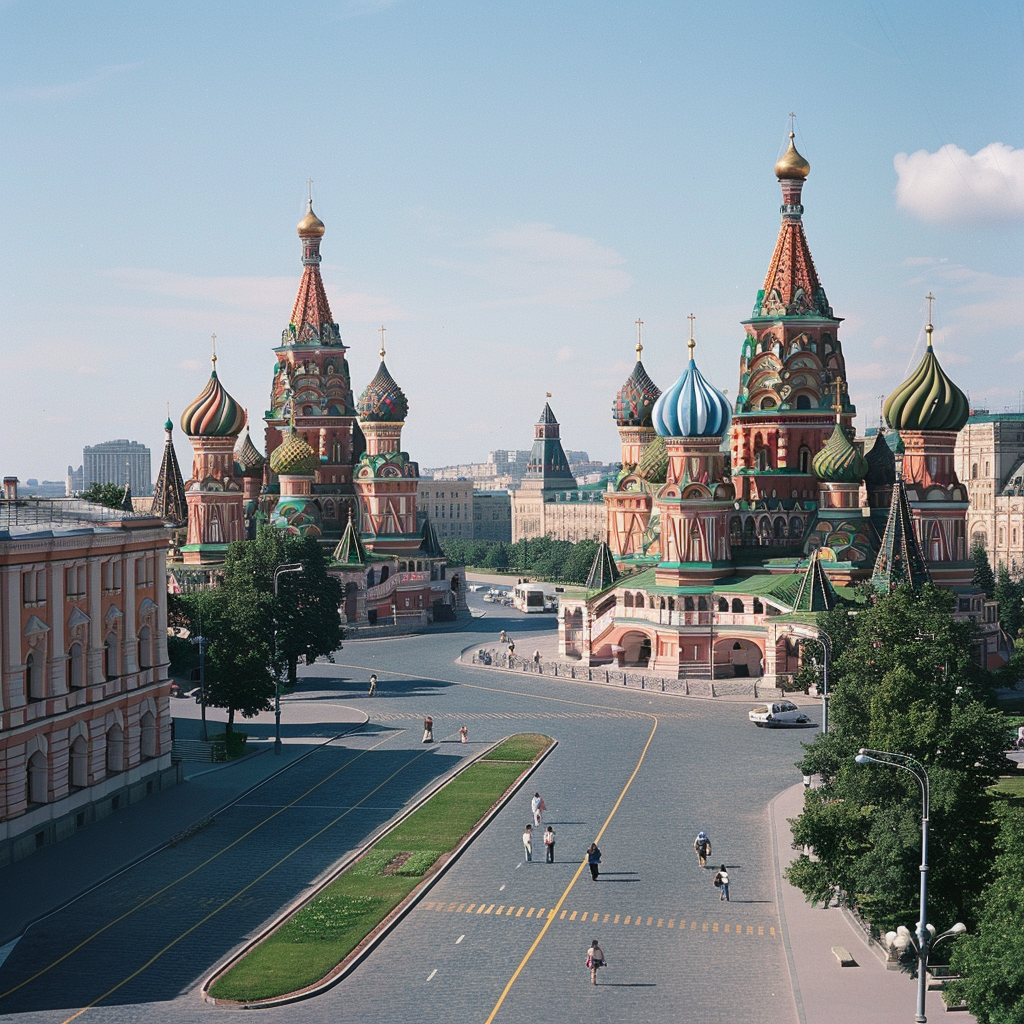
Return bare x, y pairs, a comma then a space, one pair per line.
506, 189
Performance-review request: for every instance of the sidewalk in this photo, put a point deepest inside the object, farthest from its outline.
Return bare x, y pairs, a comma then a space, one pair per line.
36, 886
825, 992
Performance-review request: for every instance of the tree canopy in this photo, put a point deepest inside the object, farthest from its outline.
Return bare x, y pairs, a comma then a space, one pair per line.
902, 680
108, 495
559, 560
984, 578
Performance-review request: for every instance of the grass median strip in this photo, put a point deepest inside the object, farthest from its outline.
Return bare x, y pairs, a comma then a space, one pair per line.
317, 937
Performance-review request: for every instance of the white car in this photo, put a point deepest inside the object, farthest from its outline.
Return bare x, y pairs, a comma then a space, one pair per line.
779, 712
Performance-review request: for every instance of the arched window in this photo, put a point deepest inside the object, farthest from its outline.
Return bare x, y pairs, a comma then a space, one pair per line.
111, 661
988, 470
805, 459
148, 742
796, 527
803, 402
115, 750
76, 666
737, 604
145, 647
80, 763
370, 578
38, 779
763, 460
723, 604
687, 604
735, 532
749, 533
640, 600
758, 607
34, 685
702, 604
385, 572
627, 599
974, 471
780, 529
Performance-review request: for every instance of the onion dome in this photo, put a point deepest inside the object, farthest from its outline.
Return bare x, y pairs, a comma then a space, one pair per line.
792, 165
927, 399
168, 425
839, 462
311, 226
881, 461
294, 457
383, 401
214, 413
635, 401
653, 465
691, 407
248, 456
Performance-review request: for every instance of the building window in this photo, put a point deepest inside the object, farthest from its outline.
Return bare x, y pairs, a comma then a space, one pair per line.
80, 763
115, 750
148, 726
74, 587
76, 666
33, 587
111, 661
34, 685
38, 779
974, 471
145, 647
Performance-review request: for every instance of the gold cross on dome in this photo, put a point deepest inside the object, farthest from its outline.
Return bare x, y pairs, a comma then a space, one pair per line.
840, 387
382, 330
639, 343
213, 338
309, 191
931, 299
691, 344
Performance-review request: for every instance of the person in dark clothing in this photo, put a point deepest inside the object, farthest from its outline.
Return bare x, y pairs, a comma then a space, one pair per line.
594, 859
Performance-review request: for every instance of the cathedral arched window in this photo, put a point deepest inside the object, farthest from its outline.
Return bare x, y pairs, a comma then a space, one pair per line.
737, 605
803, 401
805, 459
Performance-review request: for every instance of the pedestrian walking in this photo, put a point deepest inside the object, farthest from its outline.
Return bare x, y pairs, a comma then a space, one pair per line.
373, 685
463, 735
538, 807
722, 883
595, 960
702, 847
428, 730
504, 636
528, 842
549, 844
594, 859
536, 659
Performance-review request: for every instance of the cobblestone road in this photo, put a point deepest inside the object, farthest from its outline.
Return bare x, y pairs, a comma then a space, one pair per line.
673, 948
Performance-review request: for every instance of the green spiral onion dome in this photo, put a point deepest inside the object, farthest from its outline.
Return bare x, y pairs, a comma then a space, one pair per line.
214, 413
839, 462
653, 466
294, 457
383, 401
927, 399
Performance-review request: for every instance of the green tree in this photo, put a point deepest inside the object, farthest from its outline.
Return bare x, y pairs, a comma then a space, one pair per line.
990, 960
577, 566
108, 495
902, 679
1010, 595
983, 575
497, 557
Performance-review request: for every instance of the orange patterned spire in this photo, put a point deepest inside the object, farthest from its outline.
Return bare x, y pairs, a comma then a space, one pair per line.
311, 319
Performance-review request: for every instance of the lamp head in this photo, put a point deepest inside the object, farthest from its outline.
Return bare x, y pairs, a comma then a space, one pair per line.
863, 759
958, 929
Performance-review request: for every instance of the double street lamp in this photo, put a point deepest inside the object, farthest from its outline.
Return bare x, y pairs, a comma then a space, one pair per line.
925, 939
826, 646
278, 572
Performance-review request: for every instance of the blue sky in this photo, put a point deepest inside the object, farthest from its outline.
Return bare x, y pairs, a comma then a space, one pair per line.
506, 186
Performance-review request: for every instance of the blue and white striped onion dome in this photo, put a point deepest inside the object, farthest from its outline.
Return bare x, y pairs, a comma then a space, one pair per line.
691, 407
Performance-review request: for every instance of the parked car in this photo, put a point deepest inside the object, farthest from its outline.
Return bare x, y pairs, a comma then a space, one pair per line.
779, 712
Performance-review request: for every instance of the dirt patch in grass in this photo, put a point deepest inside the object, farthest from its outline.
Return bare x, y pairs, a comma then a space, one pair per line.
320, 935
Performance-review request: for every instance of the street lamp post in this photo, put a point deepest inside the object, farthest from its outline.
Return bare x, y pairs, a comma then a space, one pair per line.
201, 641
826, 646
925, 940
278, 572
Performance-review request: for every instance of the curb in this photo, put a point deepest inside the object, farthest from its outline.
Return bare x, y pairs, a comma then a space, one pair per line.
171, 841
394, 918
790, 962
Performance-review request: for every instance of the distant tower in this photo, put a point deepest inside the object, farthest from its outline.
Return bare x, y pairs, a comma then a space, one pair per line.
385, 477
312, 375
249, 465
212, 422
169, 494
629, 505
928, 410
791, 359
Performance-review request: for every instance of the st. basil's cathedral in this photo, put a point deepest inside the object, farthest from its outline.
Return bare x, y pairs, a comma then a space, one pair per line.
335, 469
731, 526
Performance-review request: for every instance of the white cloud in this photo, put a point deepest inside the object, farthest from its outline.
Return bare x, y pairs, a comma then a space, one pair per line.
564, 354
67, 90
544, 266
953, 187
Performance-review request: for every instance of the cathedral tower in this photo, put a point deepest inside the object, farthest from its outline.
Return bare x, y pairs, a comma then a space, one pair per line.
791, 359
311, 379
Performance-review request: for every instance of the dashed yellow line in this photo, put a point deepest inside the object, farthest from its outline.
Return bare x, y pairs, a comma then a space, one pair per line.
595, 916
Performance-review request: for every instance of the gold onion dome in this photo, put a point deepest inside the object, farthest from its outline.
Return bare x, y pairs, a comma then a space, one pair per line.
214, 413
792, 165
294, 457
927, 399
839, 462
311, 226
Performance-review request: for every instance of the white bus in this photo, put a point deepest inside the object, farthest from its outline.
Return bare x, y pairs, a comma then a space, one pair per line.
535, 597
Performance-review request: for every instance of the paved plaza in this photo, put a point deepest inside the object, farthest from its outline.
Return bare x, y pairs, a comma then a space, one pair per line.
643, 770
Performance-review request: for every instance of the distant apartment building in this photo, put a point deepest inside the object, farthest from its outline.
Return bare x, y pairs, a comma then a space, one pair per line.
33, 488
492, 516
75, 481
85, 723
113, 461
449, 504
989, 460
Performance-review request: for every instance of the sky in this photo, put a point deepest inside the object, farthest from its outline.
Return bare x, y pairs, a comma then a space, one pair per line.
507, 187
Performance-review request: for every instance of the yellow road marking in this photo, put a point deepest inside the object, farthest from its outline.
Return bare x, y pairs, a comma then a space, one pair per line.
659, 921
572, 916
629, 917
469, 909
199, 867
573, 880
520, 910
616, 921
499, 910
672, 922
